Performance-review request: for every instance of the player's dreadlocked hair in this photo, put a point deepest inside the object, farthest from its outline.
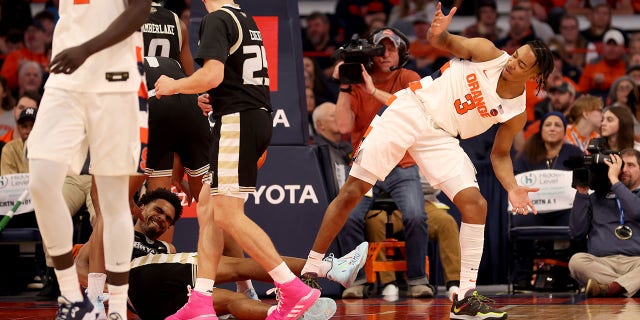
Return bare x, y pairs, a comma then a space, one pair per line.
544, 60
164, 194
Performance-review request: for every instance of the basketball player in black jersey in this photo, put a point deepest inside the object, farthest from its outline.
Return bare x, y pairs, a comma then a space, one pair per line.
234, 73
159, 276
165, 35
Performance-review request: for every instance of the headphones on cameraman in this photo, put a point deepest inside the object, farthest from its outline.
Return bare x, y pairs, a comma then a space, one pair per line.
403, 50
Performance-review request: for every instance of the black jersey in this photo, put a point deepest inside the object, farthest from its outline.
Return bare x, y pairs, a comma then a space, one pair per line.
231, 36
143, 246
162, 34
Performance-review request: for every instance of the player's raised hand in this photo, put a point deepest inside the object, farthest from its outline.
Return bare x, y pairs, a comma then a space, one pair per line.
440, 22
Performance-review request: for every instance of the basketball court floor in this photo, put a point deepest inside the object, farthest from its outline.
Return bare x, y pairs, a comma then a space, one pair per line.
524, 306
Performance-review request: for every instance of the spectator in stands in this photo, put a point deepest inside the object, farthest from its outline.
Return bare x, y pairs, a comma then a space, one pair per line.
317, 41
28, 99
560, 98
625, 93
486, 23
540, 27
520, 30
611, 268
546, 149
443, 229
587, 118
634, 72
13, 159
323, 89
405, 13
357, 107
583, 7
425, 58
599, 22
327, 133
34, 49
575, 45
29, 77
7, 102
353, 16
617, 128
597, 77
48, 22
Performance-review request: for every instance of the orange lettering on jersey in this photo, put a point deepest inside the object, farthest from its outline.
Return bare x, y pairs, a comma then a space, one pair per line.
476, 97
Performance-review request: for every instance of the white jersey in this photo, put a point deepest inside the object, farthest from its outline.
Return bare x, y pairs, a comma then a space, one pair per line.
115, 69
462, 100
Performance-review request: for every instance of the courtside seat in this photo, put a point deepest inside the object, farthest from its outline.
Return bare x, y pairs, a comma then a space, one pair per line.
18, 235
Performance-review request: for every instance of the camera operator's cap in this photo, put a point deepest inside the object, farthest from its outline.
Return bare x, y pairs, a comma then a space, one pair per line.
564, 87
27, 114
613, 35
388, 34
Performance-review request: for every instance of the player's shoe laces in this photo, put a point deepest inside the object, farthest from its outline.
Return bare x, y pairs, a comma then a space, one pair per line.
199, 306
475, 307
311, 279
345, 269
294, 299
80, 310
323, 309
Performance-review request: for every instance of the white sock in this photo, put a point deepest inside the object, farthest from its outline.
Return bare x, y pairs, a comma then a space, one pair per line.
118, 299
281, 274
204, 286
242, 286
313, 264
96, 285
69, 284
471, 244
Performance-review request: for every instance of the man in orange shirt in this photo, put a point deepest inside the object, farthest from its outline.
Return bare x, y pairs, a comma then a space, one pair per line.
597, 77
34, 50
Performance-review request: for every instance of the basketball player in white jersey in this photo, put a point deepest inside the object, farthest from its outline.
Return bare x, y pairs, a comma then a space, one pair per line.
90, 102
469, 94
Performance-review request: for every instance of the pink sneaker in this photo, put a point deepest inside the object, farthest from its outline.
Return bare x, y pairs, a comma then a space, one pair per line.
199, 307
294, 298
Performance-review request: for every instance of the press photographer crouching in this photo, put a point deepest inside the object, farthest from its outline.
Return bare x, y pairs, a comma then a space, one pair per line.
611, 221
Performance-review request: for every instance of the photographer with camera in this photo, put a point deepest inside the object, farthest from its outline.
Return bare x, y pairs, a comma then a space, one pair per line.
370, 72
611, 268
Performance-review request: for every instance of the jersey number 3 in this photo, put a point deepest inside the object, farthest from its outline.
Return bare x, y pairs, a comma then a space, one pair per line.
463, 106
256, 63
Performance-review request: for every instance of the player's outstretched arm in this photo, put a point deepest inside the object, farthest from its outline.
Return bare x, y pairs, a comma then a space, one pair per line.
474, 49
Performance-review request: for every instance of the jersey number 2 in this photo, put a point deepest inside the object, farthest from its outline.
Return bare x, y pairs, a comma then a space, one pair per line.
255, 64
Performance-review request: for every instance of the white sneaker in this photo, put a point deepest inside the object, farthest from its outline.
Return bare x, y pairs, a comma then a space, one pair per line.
345, 269
323, 309
390, 290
